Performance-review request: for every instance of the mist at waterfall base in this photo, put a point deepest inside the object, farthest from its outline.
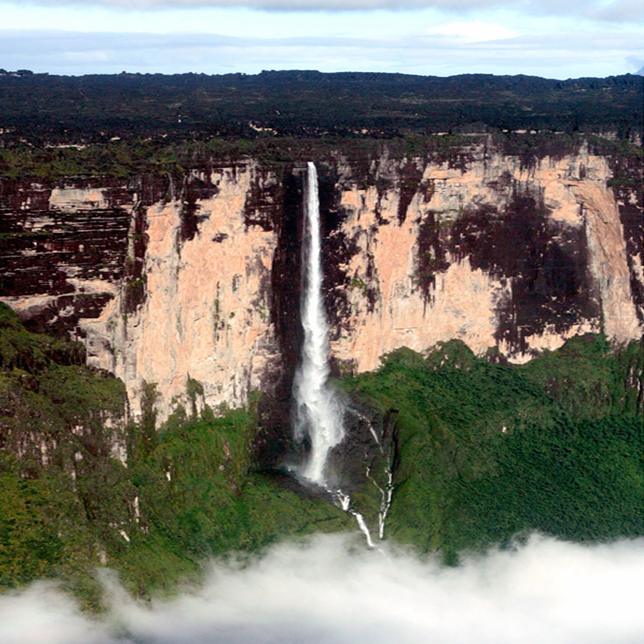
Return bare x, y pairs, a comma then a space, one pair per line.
329, 591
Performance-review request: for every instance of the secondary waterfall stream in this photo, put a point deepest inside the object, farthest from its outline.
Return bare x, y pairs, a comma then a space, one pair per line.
319, 410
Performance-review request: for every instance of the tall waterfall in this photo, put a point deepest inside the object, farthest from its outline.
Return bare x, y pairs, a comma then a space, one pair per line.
318, 411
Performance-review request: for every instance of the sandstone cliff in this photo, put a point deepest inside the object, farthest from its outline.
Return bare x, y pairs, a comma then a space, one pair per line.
193, 285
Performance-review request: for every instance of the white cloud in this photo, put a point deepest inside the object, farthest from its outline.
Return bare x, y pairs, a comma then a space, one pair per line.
618, 10
594, 53
331, 591
289, 5
472, 31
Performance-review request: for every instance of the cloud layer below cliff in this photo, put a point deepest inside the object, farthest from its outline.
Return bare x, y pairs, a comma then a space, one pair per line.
331, 591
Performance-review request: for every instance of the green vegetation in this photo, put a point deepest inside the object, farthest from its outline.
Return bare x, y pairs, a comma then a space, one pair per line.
160, 157
199, 496
489, 451
485, 452
54, 414
69, 504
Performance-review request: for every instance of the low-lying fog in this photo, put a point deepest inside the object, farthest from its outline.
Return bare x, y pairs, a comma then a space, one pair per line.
333, 591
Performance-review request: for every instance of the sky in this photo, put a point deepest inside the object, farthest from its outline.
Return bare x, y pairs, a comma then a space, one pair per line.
332, 590
551, 38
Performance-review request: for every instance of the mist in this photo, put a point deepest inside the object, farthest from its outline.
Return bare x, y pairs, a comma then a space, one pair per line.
330, 590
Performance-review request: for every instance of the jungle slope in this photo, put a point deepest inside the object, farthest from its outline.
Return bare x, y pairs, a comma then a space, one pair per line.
486, 451
153, 511
489, 451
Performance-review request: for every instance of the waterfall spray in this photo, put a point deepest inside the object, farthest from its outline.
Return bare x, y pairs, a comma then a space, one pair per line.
318, 410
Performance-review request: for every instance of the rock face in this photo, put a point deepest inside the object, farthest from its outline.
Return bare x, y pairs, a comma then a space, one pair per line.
206, 314
495, 254
194, 287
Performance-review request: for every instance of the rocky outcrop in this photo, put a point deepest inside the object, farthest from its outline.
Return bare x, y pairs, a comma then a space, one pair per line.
193, 285
62, 250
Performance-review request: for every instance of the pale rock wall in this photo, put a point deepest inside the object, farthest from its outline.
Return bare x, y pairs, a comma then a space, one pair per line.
70, 198
207, 306
464, 302
206, 314
608, 259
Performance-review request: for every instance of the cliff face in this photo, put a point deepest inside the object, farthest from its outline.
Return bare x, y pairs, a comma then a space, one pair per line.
205, 312
171, 284
161, 290
493, 253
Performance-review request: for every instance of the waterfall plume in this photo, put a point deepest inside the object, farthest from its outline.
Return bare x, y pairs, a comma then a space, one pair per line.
318, 410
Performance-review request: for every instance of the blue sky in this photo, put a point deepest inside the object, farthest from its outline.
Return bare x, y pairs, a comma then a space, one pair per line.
552, 38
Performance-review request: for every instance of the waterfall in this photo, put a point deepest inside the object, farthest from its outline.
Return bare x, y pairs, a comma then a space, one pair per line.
318, 410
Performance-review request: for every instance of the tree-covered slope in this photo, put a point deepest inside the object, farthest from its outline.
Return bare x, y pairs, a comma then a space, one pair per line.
489, 451
484, 452
81, 488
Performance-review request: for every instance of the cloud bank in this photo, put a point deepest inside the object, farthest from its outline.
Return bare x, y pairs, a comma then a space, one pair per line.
331, 592
619, 10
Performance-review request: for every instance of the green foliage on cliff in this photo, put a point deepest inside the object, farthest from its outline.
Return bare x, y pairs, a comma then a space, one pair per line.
485, 452
56, 468
68, 503
31, 352
489, 451
199, 496
160, 158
